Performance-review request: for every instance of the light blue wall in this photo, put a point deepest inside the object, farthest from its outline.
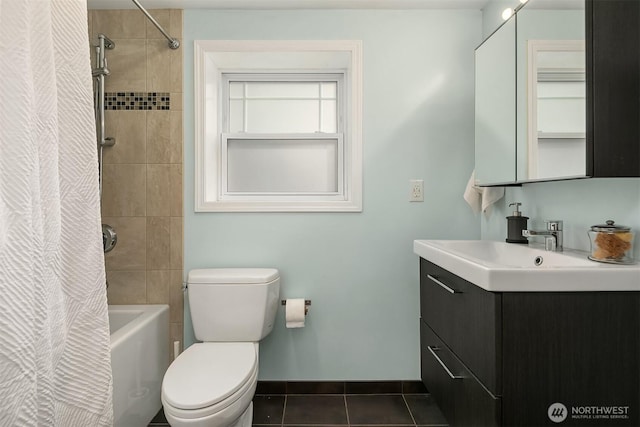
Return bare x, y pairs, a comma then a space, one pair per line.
579, 203
357, 268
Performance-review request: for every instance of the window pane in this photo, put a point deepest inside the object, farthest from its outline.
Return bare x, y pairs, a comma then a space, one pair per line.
561, 89
571, 112
236, 90
282, 166
329, 90
268, 116
329, 117
283, 90
236, 116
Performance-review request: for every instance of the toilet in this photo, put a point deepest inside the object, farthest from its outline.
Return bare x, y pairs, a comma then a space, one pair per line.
212, 383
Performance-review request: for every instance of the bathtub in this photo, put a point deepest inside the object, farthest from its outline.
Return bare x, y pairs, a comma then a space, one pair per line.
139, 359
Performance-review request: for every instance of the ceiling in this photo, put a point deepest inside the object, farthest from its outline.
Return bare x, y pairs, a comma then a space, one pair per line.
289, 4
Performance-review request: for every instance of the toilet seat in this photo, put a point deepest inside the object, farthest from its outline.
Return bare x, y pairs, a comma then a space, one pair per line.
208, 377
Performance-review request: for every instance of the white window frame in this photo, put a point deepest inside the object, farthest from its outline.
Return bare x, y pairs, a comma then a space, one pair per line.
215, 58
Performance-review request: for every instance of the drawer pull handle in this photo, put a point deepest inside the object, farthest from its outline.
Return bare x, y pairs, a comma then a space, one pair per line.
442, 285
433, 353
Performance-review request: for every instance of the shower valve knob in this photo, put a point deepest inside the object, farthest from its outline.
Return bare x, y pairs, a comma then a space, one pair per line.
109, 238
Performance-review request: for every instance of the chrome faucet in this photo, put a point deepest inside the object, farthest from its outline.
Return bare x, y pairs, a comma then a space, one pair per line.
552, 235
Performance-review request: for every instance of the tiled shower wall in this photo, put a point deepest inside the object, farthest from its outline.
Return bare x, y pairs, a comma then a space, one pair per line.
142, 181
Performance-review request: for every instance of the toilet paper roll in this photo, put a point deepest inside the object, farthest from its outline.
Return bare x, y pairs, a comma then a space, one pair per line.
294, 313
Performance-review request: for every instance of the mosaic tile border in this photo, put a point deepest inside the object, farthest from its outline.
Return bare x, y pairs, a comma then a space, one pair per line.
137, 101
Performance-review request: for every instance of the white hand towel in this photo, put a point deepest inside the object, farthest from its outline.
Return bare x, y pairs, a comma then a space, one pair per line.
471, 194
490, 195
481, 198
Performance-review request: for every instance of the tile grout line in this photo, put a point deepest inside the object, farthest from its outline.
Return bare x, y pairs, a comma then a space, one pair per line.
346, 408
409, 409
284, 410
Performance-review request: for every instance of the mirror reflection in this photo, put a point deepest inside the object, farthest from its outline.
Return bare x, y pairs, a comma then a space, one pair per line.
495, 113
550, 90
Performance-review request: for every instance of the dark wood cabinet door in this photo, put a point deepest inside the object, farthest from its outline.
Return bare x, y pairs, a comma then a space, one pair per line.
460, 396
580, 349
467, 318
613, 88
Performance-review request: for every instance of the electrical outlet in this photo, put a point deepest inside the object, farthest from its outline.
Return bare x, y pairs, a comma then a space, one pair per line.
416, 190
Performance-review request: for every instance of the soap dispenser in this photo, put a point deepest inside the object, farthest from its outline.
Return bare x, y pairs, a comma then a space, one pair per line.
515, 224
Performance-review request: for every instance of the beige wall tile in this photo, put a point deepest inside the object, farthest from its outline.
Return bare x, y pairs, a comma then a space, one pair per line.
175, 189
124, 190
176, 296
159, 186
175, 137
119, 23
158, 284
162, 16
142, 195
158, 243
164, 190
128, 66
177, 59
126, 287
92, 29
176, 17
159, 137
130, 253
176, 243
176, 65
129, 129
159, 65
176, 101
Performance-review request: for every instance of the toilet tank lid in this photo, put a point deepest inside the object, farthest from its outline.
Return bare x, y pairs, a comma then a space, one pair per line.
233, 275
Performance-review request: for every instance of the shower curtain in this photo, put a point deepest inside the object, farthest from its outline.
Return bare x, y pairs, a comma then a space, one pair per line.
54, 339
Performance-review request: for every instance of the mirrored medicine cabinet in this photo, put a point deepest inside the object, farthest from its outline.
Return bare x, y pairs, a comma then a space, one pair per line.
558, 93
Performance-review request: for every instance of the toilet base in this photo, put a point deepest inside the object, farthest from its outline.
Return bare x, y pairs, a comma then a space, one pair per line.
246, 419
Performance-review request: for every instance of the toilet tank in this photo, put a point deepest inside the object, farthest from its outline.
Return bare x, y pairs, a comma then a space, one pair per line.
233, 304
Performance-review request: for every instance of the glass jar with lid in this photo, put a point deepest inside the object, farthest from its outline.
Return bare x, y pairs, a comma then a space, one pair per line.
611, 243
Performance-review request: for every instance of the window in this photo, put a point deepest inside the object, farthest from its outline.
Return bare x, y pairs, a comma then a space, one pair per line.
278, 126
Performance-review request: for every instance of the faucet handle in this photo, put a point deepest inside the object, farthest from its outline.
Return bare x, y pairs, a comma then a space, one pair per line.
554, 225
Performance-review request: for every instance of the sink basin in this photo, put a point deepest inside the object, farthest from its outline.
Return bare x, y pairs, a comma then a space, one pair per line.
508, 267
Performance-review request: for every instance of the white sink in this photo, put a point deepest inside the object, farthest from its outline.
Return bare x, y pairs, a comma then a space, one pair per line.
509, 267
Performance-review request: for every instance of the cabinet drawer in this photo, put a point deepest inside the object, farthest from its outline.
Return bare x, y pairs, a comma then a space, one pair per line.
465, 317
461, 397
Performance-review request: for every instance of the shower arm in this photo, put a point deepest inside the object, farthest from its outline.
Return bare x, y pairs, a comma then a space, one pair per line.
173, 43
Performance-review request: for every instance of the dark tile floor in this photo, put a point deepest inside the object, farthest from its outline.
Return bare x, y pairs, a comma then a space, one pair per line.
341, 409
346, 410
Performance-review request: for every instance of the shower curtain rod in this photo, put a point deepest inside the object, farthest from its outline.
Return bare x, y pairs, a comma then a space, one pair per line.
173, 43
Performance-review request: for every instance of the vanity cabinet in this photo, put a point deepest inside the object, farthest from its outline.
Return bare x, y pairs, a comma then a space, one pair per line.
504, 358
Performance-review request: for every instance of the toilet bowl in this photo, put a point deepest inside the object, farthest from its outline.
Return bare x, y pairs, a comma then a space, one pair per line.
212, 383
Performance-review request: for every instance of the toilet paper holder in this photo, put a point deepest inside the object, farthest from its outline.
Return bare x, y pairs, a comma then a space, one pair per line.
307, 303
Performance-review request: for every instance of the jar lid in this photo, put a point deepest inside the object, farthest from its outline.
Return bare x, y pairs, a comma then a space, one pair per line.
609, 227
